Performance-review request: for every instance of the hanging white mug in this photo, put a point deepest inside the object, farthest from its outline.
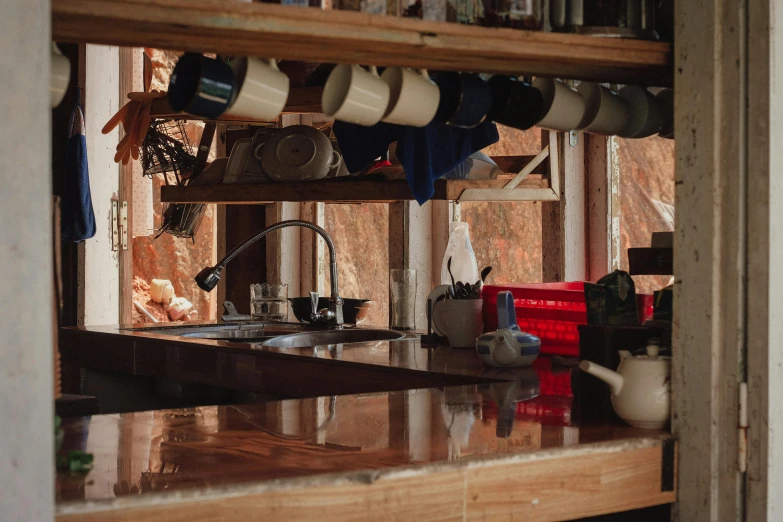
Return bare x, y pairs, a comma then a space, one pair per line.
413, 97
263, 89
60, 76
355, 95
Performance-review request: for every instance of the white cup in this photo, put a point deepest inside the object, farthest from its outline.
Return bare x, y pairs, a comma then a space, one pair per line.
413, 97
60, 76
263, 89
564, 107
645, 116
464, 322
354, 95
605, 111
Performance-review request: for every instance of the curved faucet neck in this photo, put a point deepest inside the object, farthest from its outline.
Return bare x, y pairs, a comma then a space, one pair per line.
284, 224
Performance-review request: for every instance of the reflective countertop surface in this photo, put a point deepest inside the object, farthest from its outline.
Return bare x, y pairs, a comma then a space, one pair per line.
513, 412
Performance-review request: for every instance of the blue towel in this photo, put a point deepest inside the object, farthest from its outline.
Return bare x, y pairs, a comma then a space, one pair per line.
426, 153
78, 219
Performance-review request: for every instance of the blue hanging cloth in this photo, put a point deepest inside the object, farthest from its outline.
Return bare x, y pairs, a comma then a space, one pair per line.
425, 153
78, 218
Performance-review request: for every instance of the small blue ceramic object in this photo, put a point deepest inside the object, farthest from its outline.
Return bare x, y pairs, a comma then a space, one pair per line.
509, 346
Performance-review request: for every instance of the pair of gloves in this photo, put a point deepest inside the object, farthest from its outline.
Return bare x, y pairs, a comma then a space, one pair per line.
135, 118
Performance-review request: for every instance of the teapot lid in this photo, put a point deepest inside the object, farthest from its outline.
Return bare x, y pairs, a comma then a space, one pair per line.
653, 349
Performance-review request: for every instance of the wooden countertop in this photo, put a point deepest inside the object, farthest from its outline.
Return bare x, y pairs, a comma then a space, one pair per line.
505, 444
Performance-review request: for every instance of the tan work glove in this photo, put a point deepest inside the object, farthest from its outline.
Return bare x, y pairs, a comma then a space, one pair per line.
135, 118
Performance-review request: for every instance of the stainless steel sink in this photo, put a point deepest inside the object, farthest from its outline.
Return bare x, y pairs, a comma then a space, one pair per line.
326, 337
255, 332
249, 335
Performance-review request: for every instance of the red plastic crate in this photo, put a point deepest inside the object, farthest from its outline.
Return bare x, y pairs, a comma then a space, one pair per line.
551, 311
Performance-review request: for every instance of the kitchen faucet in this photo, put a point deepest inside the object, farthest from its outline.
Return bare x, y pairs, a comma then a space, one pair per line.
208, 278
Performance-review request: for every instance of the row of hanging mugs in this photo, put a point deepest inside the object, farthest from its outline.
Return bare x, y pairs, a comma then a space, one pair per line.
256, 89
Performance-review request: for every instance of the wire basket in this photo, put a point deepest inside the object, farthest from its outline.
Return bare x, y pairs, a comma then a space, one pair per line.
167, 150
182, 219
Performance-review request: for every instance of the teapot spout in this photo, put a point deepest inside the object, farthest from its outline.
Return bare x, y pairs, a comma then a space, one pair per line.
612, 378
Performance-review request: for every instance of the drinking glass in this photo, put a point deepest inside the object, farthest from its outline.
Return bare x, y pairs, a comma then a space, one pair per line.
269, 302
402, 289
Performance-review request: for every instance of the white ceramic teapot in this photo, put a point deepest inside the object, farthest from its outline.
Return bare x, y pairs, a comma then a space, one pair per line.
641, 387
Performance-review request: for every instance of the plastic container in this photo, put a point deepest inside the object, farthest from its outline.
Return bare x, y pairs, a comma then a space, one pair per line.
551, 311
463, 260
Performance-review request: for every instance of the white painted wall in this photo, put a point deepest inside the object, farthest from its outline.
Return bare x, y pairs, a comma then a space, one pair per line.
26, 432
419, 251
99, 301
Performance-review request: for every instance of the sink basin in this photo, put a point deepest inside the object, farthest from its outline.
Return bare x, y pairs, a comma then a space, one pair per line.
308, 339
249, 335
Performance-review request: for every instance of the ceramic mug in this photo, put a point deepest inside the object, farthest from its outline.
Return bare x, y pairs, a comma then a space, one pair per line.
465, 100
201, 86
645, 115
514, 103
605, 111
464, 322
354, 95
563, 106
297, 153
263, 89
60, 77
413, 97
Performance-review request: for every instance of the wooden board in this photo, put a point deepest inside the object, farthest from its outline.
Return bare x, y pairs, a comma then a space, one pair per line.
301, 100
547, 489
330, 191
286, 32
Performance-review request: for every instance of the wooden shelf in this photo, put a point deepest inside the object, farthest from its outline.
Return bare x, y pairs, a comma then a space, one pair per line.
341, 190
286, 32
301, 100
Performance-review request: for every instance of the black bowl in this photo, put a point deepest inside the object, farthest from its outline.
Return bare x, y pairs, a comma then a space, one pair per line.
353, 309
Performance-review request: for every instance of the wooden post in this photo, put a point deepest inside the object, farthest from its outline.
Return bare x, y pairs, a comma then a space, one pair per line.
710, 265
314, 263
99, 281
563, 223
764, 258
603, 205
410, 247
26, 258
131, 80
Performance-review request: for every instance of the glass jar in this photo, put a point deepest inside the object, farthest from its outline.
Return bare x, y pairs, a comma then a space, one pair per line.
269, 302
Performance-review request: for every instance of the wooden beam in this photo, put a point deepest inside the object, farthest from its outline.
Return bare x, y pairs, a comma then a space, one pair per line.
552, 487
332, 191
286, 32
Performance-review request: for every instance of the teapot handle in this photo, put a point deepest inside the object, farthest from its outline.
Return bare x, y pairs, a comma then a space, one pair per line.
507, 315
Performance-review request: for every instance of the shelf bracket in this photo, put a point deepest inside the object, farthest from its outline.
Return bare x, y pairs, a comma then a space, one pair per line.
510, 192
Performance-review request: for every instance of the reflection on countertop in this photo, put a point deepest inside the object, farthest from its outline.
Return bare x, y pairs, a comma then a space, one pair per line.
166, 450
